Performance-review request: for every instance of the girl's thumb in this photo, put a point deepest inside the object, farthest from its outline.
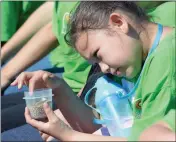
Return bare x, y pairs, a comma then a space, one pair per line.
49, 112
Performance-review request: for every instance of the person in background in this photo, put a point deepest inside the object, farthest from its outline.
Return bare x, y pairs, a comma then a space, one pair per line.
76, 69
13, 15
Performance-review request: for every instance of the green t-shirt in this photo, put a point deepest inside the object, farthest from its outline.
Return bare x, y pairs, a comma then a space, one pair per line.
76, 68
14, 14
156, 93
170, 119
163, 14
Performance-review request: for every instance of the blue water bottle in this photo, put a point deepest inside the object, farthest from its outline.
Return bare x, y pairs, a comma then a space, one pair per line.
113, 105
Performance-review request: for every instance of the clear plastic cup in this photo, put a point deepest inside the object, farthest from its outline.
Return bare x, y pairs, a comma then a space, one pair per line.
117, 115
36, 99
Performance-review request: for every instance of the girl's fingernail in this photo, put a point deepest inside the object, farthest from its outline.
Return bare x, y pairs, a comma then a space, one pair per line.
46, 105
19, 86
30, 93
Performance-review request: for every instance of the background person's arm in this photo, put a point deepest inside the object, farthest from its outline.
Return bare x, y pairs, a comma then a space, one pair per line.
37, 20
38, 46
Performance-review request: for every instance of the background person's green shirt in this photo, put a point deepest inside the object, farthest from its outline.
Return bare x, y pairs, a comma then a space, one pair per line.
76, 68
163, 14
14, 14
156, 93
170, 119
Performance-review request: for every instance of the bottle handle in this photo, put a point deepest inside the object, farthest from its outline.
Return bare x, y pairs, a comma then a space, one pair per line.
98, 121
87, 98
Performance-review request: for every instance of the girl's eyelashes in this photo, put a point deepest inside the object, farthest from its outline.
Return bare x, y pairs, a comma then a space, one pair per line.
96, 56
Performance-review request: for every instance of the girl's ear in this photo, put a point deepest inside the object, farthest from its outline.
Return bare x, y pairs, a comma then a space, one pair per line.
118, 22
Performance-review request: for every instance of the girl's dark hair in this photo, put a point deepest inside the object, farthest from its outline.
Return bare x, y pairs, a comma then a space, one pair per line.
90, 15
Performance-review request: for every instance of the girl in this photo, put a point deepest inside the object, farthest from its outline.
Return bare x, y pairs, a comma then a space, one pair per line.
118, 36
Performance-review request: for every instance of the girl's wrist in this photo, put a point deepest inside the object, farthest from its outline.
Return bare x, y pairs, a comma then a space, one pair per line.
71, 136
66, 134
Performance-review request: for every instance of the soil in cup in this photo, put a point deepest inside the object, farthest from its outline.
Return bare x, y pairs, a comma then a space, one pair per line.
37, 111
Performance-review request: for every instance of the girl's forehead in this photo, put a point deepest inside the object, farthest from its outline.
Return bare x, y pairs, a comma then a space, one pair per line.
82, 42
82, 45
88, 41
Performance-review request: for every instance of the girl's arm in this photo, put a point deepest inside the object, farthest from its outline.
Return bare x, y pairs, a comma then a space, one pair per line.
58, 129
78, 136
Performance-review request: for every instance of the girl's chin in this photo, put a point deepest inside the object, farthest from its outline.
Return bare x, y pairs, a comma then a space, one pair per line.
127, 75
131, 77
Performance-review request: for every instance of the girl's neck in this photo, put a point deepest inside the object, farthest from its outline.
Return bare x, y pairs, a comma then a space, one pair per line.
148, 35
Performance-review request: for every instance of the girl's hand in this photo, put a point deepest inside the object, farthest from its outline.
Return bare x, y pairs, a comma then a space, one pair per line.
54, 127
37, 80
47, 137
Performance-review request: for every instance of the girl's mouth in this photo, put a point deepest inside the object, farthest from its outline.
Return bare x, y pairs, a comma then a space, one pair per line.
119, 72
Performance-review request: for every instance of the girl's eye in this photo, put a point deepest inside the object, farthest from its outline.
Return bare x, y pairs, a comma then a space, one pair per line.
96, 56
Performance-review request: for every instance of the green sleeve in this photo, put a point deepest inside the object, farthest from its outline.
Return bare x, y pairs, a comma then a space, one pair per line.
55, 19
163, 14
10, 14
170, 119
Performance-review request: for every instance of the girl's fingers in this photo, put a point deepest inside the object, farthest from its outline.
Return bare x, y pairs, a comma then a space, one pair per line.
45, 136
50, 113
50, 138
41, 133
27, 114
49, 79
22, 79
32, 84
20, 84
37, 124
45, 77
14, 83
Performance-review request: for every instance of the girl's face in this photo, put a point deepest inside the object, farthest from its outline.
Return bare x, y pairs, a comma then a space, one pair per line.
118, 53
